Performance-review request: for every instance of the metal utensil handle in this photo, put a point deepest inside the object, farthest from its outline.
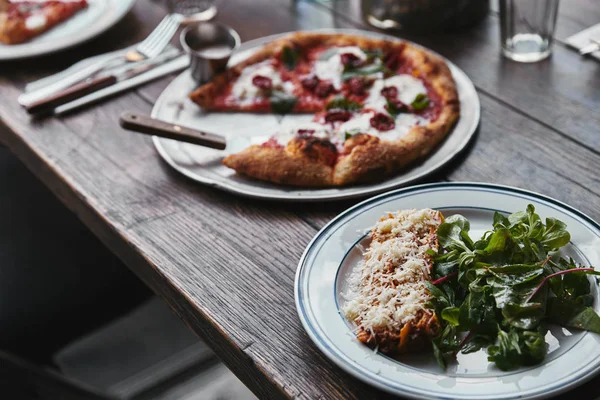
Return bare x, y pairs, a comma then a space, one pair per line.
84, 88
155, 127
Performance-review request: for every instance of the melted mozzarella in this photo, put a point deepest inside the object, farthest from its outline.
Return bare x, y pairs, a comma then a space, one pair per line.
332, 68
381, 297
408, 87
35, 21
244, 91
361, 123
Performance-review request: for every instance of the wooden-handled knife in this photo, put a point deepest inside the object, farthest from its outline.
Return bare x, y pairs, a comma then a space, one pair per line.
155, 127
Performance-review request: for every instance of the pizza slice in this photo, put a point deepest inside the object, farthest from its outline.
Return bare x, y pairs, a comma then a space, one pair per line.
20, 21
388, 297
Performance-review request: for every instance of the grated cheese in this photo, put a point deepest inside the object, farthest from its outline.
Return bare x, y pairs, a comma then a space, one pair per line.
388, 289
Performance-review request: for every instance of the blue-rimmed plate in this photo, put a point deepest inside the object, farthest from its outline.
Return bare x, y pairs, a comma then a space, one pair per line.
573, 356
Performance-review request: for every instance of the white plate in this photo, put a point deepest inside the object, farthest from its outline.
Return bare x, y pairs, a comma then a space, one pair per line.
204, 165
99, 16
573, 358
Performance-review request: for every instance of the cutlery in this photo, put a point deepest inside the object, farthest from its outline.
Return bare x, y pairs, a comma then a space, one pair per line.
46, 105
154, 127
590, 48
173, 66
149, 48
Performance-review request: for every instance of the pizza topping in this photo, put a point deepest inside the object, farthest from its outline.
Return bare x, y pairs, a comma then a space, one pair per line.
246, 88
421, 102
289, 57
342, 103
357, 85
36, 21
324, 89
281, 102
391, 61
395, 107
390, 92
310, 83
407, 86
361, 123
306, 132
262, 82
382, 122
332, 68
337, 115
350, 60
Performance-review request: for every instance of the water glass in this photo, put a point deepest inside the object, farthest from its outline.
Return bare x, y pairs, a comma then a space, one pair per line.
526, 28
194, 10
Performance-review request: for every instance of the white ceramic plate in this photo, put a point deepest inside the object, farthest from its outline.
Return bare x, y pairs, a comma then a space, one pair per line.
204, 165
99, 16
573, 358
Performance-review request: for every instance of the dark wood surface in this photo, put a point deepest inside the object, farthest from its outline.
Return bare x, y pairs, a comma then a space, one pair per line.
226, 264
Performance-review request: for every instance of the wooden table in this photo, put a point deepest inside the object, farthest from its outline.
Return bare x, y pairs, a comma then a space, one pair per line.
226, 264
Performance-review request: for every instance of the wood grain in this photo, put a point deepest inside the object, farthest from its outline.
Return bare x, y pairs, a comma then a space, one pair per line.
226, 264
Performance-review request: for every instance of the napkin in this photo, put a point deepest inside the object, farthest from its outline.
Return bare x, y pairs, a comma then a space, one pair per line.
582, 39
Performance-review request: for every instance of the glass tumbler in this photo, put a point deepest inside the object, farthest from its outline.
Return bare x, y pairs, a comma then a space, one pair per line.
526, 28
193, 10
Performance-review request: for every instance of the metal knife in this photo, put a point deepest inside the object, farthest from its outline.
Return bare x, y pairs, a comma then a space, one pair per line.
46, 105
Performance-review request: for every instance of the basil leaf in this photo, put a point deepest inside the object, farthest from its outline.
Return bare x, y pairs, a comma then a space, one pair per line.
281, 102
363, 71
289, 57
451, 314
350, 133
420, 102
342, 103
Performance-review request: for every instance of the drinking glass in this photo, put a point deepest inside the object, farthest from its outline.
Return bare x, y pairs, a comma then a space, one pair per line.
526, 28
193, 10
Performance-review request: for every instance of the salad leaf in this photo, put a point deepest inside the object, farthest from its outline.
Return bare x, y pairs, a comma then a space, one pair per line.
495, 288
366, 70
569, 312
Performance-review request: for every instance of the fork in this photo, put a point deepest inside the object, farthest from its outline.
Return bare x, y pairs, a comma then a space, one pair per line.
150, 47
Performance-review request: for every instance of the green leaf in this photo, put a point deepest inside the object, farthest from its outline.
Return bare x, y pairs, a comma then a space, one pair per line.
281, 102
497, 241
500, 220
477, 342
420, 102
451, 314
351, 132
364, 71
571, 313
342, 103
289, 57
393, 109
507, 354
523, 316
556, 235
439, 356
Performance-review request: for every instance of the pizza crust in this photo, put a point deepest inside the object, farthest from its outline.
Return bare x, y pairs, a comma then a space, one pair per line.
364, 158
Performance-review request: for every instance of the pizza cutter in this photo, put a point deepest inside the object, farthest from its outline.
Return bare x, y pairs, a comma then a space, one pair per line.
154, 127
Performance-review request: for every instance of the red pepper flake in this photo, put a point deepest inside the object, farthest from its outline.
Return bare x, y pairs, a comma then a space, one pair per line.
310, 83
262, 82
382, 122
357, 85
324, 89
337, 115
351, 60
390, 92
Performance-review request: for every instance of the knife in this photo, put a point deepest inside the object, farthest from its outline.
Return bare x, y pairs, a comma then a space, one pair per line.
47, 105
80, 71
154, 127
